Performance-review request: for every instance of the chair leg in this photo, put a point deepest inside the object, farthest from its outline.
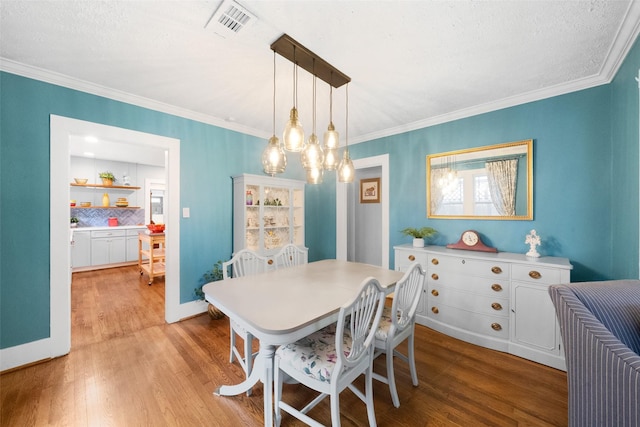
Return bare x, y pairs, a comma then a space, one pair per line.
391, 378
368, 389
412, 361
335, 409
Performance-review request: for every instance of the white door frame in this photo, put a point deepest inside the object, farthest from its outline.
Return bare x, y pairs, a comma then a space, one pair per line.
342, 202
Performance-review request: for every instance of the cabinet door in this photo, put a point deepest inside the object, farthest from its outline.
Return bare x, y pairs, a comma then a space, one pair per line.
81, 249
117, 250
131, 249
534, 318
99, 251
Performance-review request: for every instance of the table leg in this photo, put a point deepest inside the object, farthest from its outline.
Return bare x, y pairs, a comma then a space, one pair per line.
262, 370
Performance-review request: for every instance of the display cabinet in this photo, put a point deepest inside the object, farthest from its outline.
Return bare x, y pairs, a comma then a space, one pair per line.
268, 213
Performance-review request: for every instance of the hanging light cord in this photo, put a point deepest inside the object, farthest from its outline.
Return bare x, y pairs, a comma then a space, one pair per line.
331, 99
274, 93
295, 79
346, 130
314, 96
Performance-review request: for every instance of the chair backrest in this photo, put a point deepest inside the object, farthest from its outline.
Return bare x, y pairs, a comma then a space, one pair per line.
291, 255
406, 297
361, 317
244, 263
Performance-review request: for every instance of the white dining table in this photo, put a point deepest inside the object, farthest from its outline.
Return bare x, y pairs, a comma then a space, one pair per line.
284, 305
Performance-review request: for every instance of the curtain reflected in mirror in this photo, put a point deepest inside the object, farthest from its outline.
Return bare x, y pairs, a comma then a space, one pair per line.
492, 182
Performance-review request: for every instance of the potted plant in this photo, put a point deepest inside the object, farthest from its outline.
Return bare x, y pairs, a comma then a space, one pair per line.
74, 221
419, 234
212, 275
107, 178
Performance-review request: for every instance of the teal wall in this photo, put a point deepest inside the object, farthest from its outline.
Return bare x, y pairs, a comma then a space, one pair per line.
585, 178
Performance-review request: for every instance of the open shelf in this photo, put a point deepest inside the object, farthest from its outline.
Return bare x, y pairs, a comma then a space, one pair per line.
122, 187
104, 207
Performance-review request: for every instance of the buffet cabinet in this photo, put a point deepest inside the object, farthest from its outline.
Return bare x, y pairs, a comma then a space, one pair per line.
496, 300
268, 213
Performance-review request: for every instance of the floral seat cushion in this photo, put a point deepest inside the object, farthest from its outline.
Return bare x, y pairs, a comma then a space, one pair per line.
315, 354
385, 324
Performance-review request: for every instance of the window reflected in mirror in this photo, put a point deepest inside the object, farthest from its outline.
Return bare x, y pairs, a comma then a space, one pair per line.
493, 182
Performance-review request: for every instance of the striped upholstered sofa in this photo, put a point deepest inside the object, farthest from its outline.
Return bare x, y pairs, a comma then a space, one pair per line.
600, 327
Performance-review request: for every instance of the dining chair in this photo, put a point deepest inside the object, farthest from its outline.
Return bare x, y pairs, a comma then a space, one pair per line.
291, 255
397, 324
243, 263
329, 360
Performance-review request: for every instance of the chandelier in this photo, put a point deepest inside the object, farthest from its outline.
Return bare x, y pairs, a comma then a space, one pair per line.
315, 157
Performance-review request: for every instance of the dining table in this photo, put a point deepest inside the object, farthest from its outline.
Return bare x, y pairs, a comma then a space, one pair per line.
284, 305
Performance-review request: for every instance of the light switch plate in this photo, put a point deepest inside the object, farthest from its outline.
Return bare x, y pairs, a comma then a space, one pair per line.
186, 213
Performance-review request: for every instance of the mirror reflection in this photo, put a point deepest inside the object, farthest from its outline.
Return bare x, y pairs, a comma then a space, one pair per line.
492, 182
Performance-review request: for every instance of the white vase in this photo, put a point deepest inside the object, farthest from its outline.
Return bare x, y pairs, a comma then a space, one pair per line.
418, 243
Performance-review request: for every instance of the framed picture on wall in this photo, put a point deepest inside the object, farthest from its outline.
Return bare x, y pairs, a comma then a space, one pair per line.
370, 190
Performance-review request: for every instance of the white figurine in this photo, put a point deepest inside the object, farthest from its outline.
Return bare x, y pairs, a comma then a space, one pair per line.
532, 240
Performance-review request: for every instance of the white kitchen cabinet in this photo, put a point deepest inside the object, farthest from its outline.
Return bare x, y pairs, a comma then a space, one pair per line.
132, 243
108, 247
81, 249
496, 300
268, 213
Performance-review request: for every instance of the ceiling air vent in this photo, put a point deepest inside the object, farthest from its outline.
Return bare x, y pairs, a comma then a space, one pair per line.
230, 18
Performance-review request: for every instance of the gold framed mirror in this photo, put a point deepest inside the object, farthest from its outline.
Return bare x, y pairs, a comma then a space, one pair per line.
491, 182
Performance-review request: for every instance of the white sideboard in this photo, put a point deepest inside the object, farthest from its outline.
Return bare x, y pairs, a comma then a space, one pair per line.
495, 300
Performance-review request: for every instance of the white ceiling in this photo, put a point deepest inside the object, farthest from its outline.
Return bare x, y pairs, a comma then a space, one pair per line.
412, 63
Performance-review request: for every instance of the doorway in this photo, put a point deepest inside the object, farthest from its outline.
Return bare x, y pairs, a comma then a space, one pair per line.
348, 194
60, 271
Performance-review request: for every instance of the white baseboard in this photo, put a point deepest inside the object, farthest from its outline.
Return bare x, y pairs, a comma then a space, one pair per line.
25, 354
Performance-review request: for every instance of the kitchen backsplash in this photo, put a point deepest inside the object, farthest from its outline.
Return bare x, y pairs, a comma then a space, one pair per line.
100, 217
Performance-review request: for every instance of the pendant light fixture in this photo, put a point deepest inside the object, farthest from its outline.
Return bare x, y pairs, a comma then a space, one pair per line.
273, 158
312, 156
293, 135
346, 171
331, 137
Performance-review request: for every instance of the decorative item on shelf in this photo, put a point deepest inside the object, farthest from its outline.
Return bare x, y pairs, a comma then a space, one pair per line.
249, 198
419, 235
107, 178
72, 203
122, 202
125, 180
470, 240
315, 158
105, 200
533, 240
74, 222
85, 204
81, 181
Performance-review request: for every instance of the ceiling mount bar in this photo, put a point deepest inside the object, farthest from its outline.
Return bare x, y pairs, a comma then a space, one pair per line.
284, 47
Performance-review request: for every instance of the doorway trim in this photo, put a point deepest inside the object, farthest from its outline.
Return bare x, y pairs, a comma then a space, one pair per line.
60, 256
342, 211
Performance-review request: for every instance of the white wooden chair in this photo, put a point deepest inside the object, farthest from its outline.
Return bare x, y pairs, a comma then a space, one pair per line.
398, 324
290, 255
329, 360
243, 263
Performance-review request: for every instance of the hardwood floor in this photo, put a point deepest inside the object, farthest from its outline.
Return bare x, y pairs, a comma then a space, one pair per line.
128, 367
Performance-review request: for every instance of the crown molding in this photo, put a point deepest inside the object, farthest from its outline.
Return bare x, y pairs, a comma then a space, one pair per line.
58, 79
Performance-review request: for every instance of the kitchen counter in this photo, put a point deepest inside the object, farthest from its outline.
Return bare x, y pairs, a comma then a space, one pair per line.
106, 227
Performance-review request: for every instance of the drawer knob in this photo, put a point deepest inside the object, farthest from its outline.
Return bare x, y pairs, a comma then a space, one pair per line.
496, 287
496, 306
534, 274
496, 326
435, 293
496, 270
435, 310
435, 261
434, 276
412, 258
270, 262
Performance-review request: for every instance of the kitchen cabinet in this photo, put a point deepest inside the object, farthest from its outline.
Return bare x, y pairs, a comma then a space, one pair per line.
268, 213
108, 247
81, 249
495, 300
132, 243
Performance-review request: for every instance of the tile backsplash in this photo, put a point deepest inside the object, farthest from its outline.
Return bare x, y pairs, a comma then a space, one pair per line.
100, 217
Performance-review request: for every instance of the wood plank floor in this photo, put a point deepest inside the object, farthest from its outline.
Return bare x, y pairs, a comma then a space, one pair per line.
127, 367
